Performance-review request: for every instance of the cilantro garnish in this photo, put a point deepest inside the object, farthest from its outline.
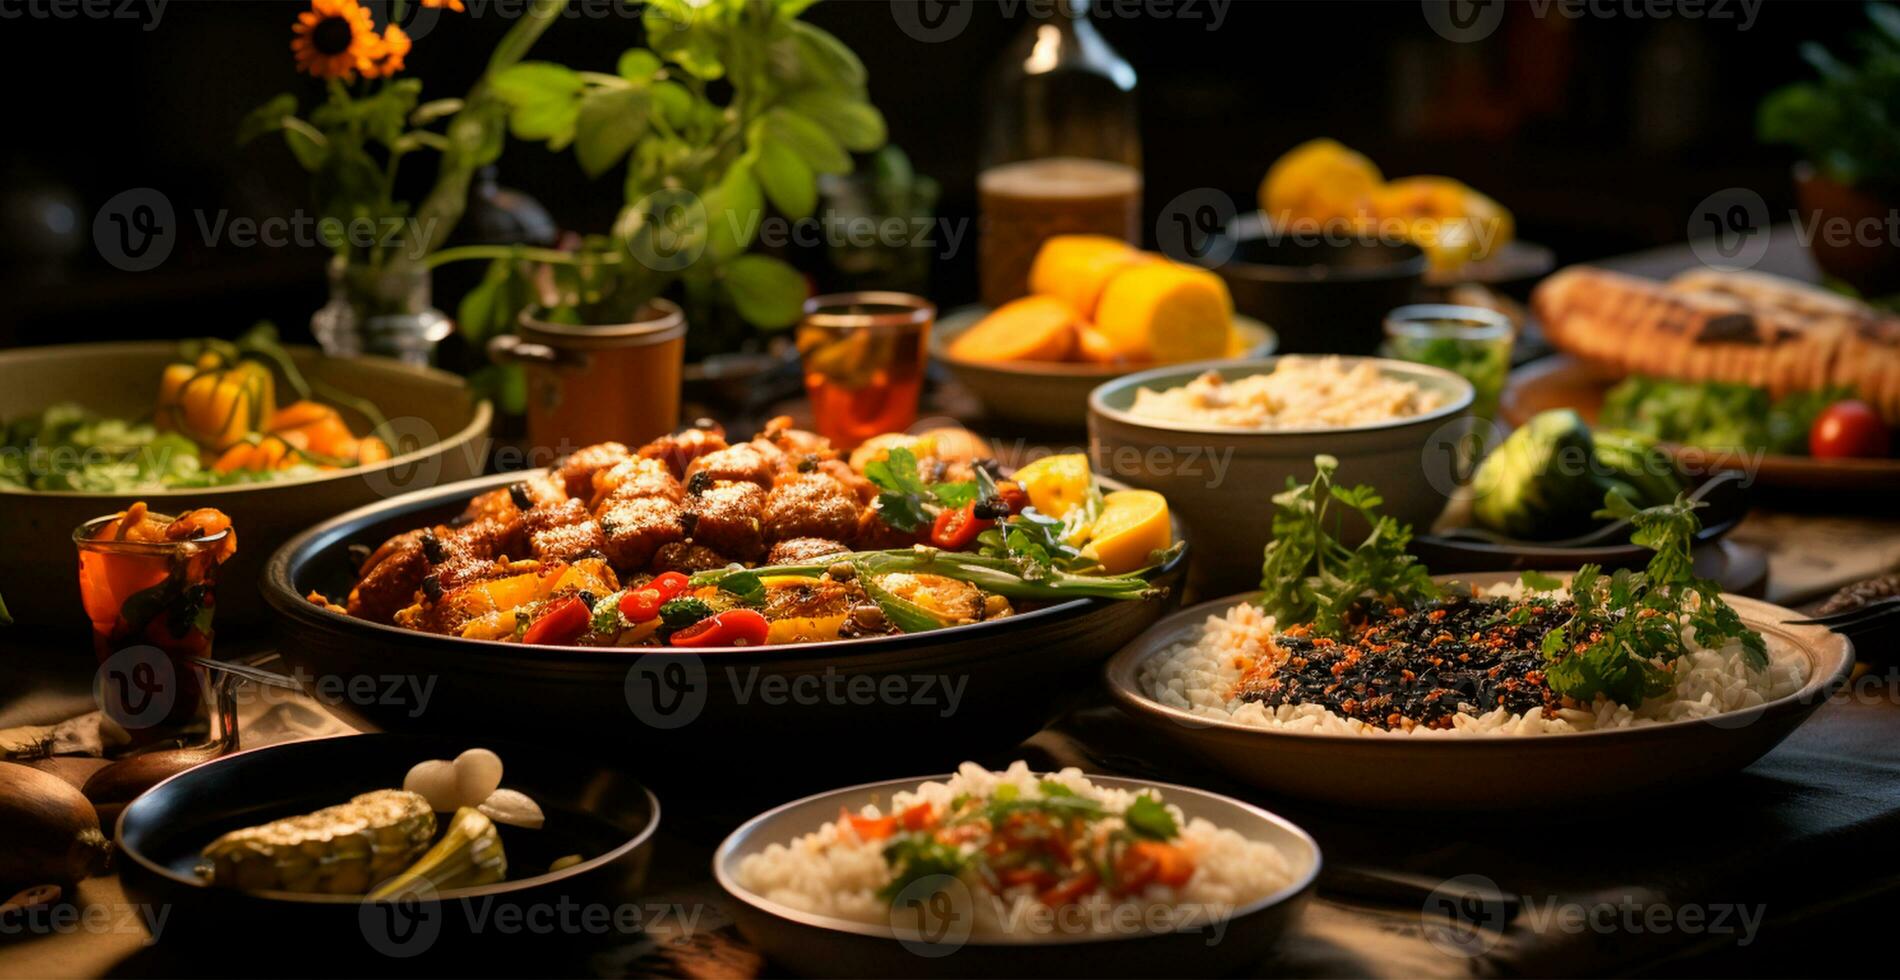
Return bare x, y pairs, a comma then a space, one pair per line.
1629, 627
1309, 576
904, 494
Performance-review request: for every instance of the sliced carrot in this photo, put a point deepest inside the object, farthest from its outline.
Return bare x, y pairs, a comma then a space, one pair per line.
869, 828
1034, 328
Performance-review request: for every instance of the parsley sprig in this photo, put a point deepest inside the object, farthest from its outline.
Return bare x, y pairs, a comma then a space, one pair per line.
1309, 576
1630, 628
904, 500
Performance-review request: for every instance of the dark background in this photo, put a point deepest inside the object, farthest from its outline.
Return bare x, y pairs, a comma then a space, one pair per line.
1601, 132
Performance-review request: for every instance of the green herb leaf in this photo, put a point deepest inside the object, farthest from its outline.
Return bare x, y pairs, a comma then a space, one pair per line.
1539, 582
1309, 576
610, 121
806, 138
787, 179
543, 99
1629, 631
916, 857
746, 585
1148, 817
766, 291
902, 502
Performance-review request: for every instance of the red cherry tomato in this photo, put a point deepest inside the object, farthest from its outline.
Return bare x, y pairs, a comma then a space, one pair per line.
562, 622
732, 628
641, 605
670, 584
644, 603
955, 529
1847, 429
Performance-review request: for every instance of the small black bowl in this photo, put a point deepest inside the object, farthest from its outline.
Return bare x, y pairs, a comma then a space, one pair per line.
1471, 549
1322, 293
593, 810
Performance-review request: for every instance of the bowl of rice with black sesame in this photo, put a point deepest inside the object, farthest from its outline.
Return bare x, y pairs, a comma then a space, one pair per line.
1451, 702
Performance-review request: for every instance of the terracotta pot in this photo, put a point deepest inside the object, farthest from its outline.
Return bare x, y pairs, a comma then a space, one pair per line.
1852, 229
589, 384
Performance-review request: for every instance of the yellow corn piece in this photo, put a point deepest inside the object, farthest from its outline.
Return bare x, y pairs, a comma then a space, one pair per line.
338, 850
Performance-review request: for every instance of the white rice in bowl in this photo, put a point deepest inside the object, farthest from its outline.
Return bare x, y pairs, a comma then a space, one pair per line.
834, 871
1298, 393
1200, 675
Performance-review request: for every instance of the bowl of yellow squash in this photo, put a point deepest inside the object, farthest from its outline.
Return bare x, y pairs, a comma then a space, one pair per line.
89, 429
1098, 309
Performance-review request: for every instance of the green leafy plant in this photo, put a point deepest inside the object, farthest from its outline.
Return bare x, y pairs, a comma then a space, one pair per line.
1309, 576
1844, 121
732, 105
1630, 628
355, 141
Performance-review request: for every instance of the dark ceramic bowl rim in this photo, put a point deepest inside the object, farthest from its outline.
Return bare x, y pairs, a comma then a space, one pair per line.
479, 891
1170, 792
1183, 373
1128, 661
1253, 226
481, 414
280, 591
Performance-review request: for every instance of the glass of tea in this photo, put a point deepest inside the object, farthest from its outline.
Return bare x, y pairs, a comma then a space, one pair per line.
150, 599
1471, 341
863, 358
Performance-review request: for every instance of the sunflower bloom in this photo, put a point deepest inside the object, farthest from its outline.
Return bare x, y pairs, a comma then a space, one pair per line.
455, 5
334, 39
387, 54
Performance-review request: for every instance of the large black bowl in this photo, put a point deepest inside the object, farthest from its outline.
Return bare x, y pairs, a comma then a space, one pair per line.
593, 809
958, 689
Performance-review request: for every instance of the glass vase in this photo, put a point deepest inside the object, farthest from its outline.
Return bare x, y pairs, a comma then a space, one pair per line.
380, 311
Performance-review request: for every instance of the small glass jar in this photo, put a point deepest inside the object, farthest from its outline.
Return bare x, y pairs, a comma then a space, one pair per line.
151, 605
1472, 341
863, 359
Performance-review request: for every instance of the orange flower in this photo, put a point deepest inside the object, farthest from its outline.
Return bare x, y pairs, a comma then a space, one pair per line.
386, 57
455, 5
334, 39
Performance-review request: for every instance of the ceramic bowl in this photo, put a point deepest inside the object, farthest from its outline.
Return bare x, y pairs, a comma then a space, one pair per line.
1221, 479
